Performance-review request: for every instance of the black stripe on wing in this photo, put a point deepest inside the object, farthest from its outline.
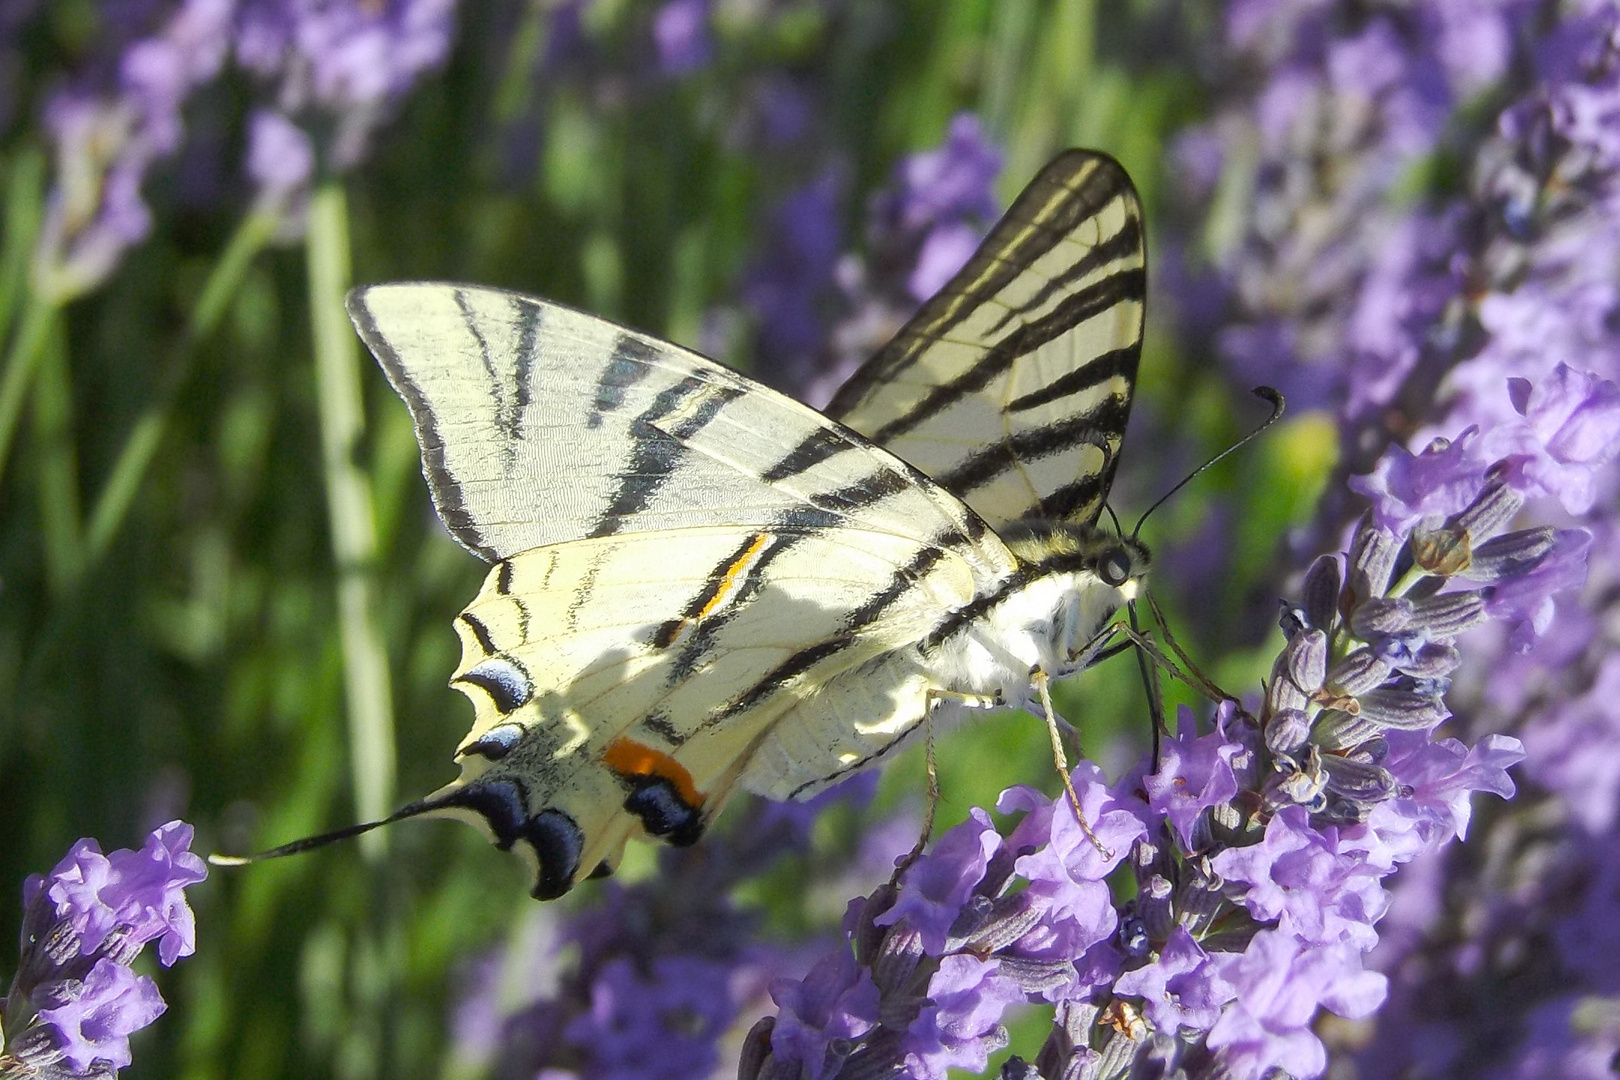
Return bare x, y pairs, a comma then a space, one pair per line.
657, 454
1064, 197
442, 484
1067, 258
1025, 338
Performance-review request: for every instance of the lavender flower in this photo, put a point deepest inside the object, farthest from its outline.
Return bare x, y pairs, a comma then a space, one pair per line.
342, 66
820, 315
280, 159
789, 287
337, 67
660, 969
108, 135
74, 1001
681, 32
1260, 850
1483, 311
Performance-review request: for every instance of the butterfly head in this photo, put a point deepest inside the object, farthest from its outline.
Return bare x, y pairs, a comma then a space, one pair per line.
1082, 576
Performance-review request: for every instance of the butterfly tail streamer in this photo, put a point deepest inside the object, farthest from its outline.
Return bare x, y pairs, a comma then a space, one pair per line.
348, 832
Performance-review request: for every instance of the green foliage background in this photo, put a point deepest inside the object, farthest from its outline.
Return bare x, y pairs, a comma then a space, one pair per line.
169, 625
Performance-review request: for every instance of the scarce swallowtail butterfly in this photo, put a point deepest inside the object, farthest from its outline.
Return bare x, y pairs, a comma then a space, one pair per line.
700, 585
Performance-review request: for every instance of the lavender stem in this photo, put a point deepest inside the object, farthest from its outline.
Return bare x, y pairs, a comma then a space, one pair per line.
348, 497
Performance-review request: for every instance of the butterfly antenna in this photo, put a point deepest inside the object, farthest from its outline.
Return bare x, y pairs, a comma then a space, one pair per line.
310, 843
1277, 405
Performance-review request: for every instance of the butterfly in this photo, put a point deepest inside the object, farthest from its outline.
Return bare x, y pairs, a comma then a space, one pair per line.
700, 585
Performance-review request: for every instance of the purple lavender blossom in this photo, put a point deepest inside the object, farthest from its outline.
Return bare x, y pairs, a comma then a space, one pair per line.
342, 66
646, 980
1182, 988
280, 159
74, 1002
1260, 850
1477, 320
93, 1019
1194, 774
344, 63
818, 315
1281, 981
829, 1009
681, 32
108, 135
663, 1023
788, 288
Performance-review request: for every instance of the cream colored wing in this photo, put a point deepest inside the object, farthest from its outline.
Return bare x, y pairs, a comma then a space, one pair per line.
623, 684
1012, 386
540, 424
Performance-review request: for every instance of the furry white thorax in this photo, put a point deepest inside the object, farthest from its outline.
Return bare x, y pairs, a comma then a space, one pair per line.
1045, 626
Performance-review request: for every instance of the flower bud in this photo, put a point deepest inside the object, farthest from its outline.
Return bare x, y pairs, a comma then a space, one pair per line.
1323, 582
1388, 707
1372, 558
1490, 511
1357, 781
1358, 672
1511, 555
1287, 731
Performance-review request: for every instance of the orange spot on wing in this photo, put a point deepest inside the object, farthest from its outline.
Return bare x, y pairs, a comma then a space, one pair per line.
630, 758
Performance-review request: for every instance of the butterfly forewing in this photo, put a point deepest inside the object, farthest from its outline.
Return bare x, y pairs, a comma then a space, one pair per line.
540, 424
1011, 387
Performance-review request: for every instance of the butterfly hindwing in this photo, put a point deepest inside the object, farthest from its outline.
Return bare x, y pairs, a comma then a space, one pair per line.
622, 685
1012, 385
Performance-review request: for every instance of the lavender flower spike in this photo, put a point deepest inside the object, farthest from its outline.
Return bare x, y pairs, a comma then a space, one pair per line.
1260, 850
108, 137
74, 1002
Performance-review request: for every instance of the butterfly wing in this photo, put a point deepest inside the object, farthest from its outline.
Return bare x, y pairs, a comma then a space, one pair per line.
1011, 387
540, 424
622, 684
683, 558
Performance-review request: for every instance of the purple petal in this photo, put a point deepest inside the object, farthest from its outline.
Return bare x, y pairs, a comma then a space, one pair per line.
76, 887
94, 1020
1527, 599
1195, 774
681, 32
147, 889
961, 1024
1405, 488
281, 158
1280, 982
935, 889
836, 1000
945, 250
1183, 988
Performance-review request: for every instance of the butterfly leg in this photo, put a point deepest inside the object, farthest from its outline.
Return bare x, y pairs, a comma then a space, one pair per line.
934, 699
1205, 683
1042, 683
927, 833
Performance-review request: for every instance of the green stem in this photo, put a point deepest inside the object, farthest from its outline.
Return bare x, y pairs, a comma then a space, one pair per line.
57, 473
25, 205
22, 361
348, 497
129, 471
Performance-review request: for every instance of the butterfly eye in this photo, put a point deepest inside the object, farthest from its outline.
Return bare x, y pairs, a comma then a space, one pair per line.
1114, 568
